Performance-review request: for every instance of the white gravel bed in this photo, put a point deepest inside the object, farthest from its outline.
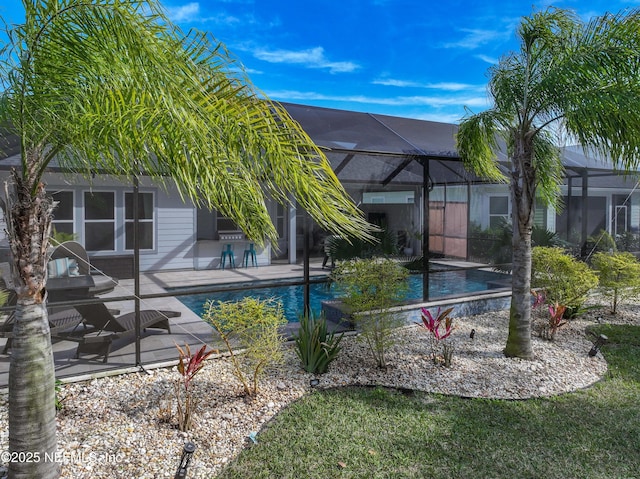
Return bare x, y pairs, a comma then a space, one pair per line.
116, 427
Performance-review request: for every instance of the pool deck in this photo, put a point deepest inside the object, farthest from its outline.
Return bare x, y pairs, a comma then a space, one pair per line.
158, 349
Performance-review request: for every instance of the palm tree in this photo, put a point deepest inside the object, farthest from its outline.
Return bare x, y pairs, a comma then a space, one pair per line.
569, 77
112, 85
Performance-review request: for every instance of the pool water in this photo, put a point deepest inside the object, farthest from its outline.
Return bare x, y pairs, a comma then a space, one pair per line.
441, 284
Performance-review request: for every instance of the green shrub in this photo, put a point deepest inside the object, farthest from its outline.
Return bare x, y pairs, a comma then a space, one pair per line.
600, 242
628, 241
370, 288
386, 244
251, 324
564, 279
315, 346
619, 275
495, 247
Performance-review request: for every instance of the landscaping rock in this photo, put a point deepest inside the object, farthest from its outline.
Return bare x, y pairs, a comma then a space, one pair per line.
115, 426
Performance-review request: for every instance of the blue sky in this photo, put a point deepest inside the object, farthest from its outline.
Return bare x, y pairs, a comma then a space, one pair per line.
415, 58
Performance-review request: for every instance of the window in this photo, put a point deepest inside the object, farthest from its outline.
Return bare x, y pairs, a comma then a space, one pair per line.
205, 224
63, 212
540, 214
99, 221
498, 210
145, 220
621, 220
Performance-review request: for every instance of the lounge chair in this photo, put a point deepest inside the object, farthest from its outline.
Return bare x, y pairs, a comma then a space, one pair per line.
58, 321
101, 328
74, 250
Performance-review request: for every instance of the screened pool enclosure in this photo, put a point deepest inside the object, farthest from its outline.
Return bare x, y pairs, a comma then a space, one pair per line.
404, 174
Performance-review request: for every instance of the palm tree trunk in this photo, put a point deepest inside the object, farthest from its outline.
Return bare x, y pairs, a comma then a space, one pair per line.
523, 185
519, 340
32, 421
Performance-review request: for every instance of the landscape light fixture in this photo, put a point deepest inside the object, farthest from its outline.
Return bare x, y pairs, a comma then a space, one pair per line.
314, 382
187, 452
600, 340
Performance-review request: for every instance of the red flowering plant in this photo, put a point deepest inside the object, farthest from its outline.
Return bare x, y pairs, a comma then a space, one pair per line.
539, 298
188, 366
432, 324
539, 318
556, 320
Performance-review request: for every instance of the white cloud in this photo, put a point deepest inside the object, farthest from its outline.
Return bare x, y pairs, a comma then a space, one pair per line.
474, 38
433, 101
452, 86
446, 110
398, 83
487, 59
442, 86
438, 101
190, 13
184, 13
310, 58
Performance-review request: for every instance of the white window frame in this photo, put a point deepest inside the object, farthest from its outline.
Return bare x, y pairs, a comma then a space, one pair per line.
152, 221
499, 215
72, 221
86, 221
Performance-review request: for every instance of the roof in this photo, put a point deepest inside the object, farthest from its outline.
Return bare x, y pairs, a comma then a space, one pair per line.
367, 132
383, 149
371, 148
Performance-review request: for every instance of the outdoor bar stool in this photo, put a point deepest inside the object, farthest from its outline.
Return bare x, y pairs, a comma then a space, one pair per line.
227, 252
250, 252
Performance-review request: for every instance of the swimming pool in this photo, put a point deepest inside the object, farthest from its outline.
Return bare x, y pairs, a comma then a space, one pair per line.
441, 284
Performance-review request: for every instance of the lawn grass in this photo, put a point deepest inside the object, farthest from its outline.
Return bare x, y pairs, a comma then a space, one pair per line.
383, 433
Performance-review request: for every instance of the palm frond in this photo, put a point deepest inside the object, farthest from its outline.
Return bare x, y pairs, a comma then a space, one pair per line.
477, 143
102, 88
549, 168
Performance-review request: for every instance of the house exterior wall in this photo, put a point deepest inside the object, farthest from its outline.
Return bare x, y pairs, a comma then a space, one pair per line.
176, 246
174, 226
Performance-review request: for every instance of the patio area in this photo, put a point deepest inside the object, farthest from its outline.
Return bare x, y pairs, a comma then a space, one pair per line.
158, 349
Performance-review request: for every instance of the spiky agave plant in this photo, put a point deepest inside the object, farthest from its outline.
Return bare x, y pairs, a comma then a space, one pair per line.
316, 347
